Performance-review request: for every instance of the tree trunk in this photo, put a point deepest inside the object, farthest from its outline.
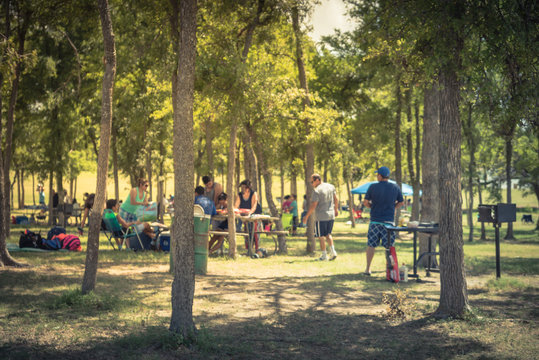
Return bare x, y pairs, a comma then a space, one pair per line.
230, 189
60, 192
429, 163
469, 134
183, 285
7, 153
409, 143
22, 189
71, 184
33, 189
114, 138
398, 156
282, 185
209, 144
453, 293
309, 148
479, 191
161, 183
237, 168
18, 182
508, 162
416, 184
149, 171
90, 270
348, 180
51, 196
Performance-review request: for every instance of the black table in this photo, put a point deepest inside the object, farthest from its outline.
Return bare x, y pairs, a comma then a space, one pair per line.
431, 230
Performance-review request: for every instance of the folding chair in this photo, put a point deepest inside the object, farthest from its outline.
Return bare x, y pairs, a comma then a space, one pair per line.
286, 220
114, 229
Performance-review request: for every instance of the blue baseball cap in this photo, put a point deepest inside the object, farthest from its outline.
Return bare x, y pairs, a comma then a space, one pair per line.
383, 171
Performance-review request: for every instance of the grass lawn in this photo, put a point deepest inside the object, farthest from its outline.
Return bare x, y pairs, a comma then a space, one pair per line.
282, 307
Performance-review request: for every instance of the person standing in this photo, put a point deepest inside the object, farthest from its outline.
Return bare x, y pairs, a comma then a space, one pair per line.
382, 198
247, 203
41, 195
324, 201
212, 189
137, 197
294, 211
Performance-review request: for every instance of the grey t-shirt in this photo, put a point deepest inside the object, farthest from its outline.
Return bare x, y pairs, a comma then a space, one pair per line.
324, 194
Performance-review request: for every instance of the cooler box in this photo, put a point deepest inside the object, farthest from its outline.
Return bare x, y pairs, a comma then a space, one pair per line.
164, 241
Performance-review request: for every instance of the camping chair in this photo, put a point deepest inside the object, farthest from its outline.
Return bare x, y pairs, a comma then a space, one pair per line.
286, 220
114, 229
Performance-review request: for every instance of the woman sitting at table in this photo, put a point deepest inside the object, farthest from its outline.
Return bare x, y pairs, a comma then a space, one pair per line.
247, 204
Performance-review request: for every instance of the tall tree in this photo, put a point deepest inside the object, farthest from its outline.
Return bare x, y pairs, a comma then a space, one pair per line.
24, 13
453, 293
183, 84
309, 147
109, 59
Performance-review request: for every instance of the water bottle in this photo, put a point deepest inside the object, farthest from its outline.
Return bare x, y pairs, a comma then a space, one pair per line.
404, 273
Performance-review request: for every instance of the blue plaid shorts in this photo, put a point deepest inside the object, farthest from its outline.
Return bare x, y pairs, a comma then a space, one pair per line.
377, 232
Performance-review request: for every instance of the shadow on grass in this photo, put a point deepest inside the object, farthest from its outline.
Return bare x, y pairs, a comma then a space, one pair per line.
300, 335
511, 266
281, 331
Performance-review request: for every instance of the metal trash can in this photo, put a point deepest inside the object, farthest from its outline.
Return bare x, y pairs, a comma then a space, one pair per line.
202, 233
202, 229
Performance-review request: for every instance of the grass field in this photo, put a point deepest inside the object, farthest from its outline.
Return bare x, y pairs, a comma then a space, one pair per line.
283, 307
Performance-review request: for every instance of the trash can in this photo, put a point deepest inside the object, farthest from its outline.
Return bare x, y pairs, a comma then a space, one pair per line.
202, 231
202, 228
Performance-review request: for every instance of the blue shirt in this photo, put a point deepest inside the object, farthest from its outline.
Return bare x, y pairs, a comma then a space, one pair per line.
207, 204
383, 196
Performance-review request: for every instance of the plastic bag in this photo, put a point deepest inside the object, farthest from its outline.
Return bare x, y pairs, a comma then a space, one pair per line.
147, 213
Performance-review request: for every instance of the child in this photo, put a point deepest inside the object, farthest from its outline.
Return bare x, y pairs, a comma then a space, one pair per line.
217, 240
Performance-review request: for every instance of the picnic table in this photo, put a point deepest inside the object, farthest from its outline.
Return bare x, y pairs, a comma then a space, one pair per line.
254, 218
421, 228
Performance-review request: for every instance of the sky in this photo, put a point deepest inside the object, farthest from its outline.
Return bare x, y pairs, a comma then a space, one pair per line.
330, 14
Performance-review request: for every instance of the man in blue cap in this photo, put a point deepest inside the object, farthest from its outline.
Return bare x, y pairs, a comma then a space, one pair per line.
383, 198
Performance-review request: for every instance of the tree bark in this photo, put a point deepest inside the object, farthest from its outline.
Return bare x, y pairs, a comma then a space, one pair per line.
309, 148
398, 156
479, 191
114, 138
416, 183
7, 152
453, 293
183, 249
92, 254
348, 180
469, 134
230, 189
508, 161
429, 163
409, 142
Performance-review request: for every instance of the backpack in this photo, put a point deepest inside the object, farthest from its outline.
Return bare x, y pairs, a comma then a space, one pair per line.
69, 242
30, 239
52, 244
55, 231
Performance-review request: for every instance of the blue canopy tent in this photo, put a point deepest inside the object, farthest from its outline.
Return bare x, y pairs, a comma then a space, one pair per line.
407, 190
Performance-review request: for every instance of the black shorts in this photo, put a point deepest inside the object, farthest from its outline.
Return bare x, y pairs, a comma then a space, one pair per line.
323, 228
